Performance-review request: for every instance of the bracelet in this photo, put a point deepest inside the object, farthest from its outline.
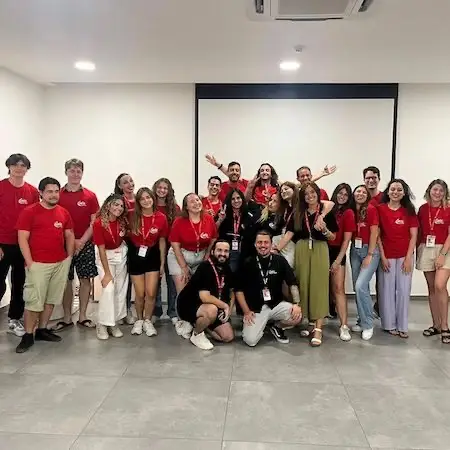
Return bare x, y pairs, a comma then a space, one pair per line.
219, 167
444, 254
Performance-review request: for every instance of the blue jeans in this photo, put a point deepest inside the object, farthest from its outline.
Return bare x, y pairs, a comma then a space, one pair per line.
171, 297
361, 279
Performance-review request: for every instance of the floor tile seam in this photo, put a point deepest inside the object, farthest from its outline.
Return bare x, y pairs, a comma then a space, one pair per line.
229, 395
396, 386
435, 363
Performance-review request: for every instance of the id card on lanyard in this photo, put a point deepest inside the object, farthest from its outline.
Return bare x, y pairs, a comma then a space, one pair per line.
431, 238
197, 235
308, 226
143, 249
265, 278
220, 281
236, 225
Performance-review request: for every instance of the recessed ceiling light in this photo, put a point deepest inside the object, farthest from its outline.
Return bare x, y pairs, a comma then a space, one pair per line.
85, 66
289, 66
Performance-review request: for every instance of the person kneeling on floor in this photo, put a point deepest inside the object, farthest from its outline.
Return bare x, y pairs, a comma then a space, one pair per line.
259, 292
207, 299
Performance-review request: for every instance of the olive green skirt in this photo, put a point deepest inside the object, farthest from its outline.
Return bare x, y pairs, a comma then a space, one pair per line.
312, 268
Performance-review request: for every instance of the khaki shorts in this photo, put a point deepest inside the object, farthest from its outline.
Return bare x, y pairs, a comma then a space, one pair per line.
426, 258
192, 261
45, 284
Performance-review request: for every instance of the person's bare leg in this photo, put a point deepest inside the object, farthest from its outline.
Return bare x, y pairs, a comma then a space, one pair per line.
85, 291
441, 296
139, 289
223, 333
432, 301
45, 315
337, 285
151, 289
179, 283
31, 319
206, 315
67, 302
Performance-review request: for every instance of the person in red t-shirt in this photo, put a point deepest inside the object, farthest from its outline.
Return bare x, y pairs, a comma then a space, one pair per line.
167, 204
47, 243
304, 175
364, 258
371, 177
192, 237
83, 206
345, 218
147, 254
233, 172
433, 254
265, 183
212, 204
398, 237
109, 229
15, 195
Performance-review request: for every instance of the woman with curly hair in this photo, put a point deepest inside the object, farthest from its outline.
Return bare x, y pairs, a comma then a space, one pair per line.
109, 230
398, 237
433, 257
263, 186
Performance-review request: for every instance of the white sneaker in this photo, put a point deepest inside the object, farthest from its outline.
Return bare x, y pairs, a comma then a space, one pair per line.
130, 319
149, 329
102, 332
116, 331
16, 327
183, 329
367, 334
356, 328
344, 333
201, 341
137, 327
174, 320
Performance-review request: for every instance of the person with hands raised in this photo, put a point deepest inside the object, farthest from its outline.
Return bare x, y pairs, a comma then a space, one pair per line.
265, 184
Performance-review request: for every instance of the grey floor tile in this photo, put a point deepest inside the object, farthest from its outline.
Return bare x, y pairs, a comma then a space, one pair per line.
292, 413
163, 407
295, 362
272, 446
35, 442
105, 443
50, 404
400, 417
10, 361
440, 357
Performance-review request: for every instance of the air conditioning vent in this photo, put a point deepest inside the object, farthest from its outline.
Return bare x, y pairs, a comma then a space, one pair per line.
305, 10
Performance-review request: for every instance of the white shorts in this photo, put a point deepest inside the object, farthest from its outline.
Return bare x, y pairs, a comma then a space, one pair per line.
192, 260
426, 258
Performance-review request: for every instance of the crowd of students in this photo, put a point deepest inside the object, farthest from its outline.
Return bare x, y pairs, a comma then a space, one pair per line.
273, 251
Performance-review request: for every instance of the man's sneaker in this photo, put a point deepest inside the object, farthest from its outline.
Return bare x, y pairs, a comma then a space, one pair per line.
344, 333
201, 341
115, 331
26, 342
367, 334
130, 319
356, 328
16, 327
137, 327
44, 334
102, 332
279, 335
149, 329
183, 329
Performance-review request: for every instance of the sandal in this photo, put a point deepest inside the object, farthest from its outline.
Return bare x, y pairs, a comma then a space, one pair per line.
403, 335
445, 336
307, 332
87, 323
62, 326
316, 342
392, 332
432, 331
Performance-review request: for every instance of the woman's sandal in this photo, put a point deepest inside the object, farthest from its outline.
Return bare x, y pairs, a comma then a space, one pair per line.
445, 336
403, 335
316, 342
432, 331
308, 331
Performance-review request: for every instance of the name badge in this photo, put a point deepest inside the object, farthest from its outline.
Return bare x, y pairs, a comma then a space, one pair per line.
235, 245
310, 244
431, 241
266, 295
143, 251
358, 243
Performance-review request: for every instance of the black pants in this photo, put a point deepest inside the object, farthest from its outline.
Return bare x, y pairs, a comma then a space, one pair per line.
12, 258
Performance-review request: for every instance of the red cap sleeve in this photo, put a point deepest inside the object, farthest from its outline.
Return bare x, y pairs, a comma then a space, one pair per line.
175, 231
372, 216
97, 233
349, 225
25, 220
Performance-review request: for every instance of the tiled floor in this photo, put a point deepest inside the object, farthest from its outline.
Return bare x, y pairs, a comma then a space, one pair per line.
163, 393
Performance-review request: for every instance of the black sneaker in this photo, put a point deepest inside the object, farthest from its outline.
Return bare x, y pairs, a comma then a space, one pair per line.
26, 342
279, 335
43, 334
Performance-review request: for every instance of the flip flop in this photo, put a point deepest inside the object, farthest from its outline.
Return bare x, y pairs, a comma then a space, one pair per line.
62, 326
87, 323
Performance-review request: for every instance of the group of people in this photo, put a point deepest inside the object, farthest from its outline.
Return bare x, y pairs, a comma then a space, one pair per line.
273, 251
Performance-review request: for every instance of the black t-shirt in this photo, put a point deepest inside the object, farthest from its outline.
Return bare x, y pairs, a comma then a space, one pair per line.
204, 279
250, 280
226, 228
303, 233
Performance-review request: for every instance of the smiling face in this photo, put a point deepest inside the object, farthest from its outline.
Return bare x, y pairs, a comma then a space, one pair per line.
286, 192
396, 192
116, 208
146, 201
360, 195
126, 183
193, 203
342, 197
234, 173
263, 244
437, 193
304, 175
18, 170
214, 187
74, 175
162, 190
236, 201
371, 180
274, 203
221, 252
265, 172
311, 196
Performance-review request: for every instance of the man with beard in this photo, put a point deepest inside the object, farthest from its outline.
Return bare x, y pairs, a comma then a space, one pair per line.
207, 299
212, 204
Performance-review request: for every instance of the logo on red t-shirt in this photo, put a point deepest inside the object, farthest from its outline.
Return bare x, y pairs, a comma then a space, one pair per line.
22, 201
439, 221
400, 222
204, 235
81, 203
153, 230
58, 224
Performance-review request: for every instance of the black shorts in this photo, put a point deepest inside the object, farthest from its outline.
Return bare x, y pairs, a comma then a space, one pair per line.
187, 311
334, 250
84, 263
138, 265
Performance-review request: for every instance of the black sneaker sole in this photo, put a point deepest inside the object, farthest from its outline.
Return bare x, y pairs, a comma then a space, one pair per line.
23, 349
280, 340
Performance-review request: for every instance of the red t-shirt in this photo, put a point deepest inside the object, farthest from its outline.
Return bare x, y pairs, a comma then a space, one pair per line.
261, 195
193, 236
433, 221
395, 230
111, 237
13, 200
152, 229
212, 208
377, 199
363, 226
227, 186
81, 205
163, 209
129, 205
346, 223
323, 194
46, 227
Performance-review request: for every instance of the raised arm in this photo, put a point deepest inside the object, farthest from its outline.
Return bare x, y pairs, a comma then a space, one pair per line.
213, 161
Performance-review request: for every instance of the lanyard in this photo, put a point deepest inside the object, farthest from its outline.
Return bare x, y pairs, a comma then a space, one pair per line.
211, 208
111, 233
308, 226
432, 222
236, 224
288, 218
128, 204
145, 236
220, 281
265, 277
197, 235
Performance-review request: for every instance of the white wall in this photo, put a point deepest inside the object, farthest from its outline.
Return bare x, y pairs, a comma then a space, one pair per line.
146, 130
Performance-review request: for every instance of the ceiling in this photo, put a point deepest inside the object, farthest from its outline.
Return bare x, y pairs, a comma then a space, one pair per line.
178, 41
